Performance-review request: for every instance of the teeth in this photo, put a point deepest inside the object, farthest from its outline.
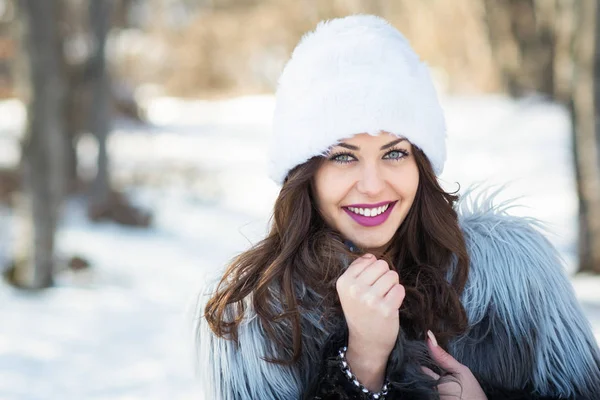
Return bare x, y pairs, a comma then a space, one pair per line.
369, 212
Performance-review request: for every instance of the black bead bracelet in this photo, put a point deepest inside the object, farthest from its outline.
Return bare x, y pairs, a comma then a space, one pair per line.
346, 369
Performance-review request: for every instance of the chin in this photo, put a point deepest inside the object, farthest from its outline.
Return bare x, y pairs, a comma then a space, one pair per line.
374, 243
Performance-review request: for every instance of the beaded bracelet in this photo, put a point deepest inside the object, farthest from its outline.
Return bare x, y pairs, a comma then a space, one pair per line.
346, 369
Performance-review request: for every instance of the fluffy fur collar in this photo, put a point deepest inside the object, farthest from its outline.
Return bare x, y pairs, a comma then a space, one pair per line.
526, 327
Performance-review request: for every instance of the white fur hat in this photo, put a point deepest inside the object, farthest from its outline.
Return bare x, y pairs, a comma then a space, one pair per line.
353, 75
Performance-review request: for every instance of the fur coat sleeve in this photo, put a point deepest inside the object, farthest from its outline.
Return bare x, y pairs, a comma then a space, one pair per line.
527, 329
230, 371
528, 337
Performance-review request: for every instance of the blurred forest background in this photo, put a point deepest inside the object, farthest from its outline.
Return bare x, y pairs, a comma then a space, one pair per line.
65, 58
84, 84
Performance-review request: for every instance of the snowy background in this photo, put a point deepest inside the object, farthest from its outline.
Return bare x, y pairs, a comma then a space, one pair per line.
123, 328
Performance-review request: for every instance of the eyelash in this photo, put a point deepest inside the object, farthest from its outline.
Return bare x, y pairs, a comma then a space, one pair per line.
334, 156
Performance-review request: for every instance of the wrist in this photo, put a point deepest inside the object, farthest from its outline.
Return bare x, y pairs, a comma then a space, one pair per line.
369, 370
368, 354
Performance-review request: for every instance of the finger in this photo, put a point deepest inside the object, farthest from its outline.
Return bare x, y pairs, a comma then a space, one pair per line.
394, 298
429, 372
450, 390
444, 359
385, 283
348, 280
373, 272
359, 265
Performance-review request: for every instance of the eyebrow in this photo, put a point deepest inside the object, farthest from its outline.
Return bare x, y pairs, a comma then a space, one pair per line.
387, 146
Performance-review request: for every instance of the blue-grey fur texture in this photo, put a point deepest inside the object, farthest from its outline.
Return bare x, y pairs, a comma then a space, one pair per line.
229, 372
526, 325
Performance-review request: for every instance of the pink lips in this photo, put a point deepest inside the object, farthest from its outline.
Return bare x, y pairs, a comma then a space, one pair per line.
371, 221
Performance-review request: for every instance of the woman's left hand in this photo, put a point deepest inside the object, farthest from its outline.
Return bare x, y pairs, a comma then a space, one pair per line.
464, 386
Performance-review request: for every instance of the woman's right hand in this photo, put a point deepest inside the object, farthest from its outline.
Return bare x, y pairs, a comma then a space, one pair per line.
370, 295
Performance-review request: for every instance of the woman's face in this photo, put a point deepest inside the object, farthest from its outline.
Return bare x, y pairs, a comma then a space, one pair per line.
365, 188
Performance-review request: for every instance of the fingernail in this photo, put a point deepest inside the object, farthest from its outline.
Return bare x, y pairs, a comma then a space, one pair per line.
368, 255
432, 338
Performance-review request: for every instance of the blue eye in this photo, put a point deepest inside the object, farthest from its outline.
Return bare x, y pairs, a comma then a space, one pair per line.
396, 154
342, 158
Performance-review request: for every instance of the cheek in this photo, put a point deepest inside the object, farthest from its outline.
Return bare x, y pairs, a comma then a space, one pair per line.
415, 182
321, 193
408, 185
329, 190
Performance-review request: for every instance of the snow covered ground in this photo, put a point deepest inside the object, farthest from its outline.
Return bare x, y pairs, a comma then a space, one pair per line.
122, 329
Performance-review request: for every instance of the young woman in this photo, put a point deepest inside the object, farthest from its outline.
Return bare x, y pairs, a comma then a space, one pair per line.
373, 282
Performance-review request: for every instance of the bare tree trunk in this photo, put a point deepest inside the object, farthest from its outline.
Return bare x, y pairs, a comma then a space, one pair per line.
71, 157
584, 104
75, 106
121, 15
522, 40
76, 110
100, 111
565, 29
43, 147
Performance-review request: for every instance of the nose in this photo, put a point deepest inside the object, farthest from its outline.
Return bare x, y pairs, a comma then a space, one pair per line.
371, 182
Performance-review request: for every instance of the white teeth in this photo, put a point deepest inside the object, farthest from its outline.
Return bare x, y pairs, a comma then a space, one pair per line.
369, 212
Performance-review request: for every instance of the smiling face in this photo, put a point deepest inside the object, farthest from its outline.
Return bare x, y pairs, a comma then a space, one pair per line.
365, 188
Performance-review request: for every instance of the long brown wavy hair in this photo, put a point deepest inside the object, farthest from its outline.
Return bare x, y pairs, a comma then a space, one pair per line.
428, 251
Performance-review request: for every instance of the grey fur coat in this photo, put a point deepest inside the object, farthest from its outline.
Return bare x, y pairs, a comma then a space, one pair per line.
527, 332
